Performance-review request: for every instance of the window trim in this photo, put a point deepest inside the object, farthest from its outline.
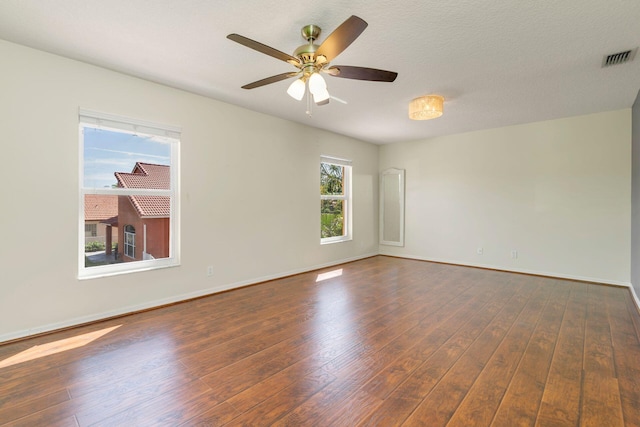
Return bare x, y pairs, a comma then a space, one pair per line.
347, 198
172, 134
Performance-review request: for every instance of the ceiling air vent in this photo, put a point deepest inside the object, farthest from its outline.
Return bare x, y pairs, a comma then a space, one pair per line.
619, 58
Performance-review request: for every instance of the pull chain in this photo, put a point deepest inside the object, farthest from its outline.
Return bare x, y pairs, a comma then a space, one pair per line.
309, 106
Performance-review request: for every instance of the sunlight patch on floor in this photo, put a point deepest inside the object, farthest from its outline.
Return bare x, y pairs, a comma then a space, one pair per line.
329, 275
54, 347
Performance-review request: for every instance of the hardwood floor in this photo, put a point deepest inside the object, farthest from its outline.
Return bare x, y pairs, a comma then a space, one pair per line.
388, 342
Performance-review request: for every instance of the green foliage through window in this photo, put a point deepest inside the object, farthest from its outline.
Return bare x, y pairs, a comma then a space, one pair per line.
332, 218
332, 210
331, 179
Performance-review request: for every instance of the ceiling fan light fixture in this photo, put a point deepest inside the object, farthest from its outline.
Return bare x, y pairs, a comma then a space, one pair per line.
426, 107
311, 59
320, 97
317, 85
296, 89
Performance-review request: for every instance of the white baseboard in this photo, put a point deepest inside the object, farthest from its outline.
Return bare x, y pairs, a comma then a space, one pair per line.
635, 297
517, 270
169, 300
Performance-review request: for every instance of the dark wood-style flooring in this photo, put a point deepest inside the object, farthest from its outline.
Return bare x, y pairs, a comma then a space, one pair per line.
385, 342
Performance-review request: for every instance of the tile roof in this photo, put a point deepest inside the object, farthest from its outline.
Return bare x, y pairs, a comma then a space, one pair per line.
150, 176
101, 207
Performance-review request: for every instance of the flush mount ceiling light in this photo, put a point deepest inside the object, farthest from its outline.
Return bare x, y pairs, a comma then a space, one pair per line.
426, 107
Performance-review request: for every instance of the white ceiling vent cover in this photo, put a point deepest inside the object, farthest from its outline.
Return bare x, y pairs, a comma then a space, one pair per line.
619, 58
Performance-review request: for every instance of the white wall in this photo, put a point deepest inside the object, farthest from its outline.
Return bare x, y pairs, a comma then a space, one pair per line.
558, 192
231, 159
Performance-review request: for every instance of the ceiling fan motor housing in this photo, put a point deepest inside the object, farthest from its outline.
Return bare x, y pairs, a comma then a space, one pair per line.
310, 32
307, 52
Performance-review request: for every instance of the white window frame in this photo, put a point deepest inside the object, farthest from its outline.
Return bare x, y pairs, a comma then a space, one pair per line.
165, 133
346, 197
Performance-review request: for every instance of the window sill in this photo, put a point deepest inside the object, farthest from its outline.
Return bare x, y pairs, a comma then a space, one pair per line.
331, 240
109, 270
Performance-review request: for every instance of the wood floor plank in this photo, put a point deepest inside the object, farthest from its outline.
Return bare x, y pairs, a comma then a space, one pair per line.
13, 413
18, 391
382, 346
521, 402
626, 345
169, 409
358, 406
442, 325
327, 339
560, 404
263, 364
268, 411
120, 396
482, 399
217, 416
213, 358
385, 342
439, 405
634, 311
453, 338
439, 348
329, 353
61, 414
352, 374
601, 401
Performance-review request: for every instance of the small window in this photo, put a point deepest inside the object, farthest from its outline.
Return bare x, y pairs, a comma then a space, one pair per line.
128, 195
335, 200
91, 230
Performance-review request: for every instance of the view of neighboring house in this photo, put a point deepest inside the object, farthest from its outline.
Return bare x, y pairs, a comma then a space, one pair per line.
101, 220
144, 220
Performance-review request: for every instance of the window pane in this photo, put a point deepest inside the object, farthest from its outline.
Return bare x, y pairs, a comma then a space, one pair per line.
109, 152
100, 229
331, 218
146, 222
331, 179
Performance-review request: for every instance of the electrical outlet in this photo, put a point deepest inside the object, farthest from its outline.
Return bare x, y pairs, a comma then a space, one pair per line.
210, 271
514, 254
479, 251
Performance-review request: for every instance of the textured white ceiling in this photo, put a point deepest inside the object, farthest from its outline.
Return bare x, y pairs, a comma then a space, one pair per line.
497, 63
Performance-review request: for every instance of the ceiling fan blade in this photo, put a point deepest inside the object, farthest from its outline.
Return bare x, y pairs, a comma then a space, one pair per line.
361, 73
263, 48
269, 80
341, 38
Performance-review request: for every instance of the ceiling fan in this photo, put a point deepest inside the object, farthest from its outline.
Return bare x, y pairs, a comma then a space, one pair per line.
311, 60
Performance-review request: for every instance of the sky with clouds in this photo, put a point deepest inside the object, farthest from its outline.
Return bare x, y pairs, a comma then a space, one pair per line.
106, 152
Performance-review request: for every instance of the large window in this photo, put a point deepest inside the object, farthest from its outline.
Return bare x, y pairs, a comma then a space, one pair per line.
128, 187
335, 200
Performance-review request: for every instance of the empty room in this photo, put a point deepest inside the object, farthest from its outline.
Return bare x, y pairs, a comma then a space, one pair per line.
320, 213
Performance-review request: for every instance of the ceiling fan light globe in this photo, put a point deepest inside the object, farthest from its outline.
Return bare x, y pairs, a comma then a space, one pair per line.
317, 85
321, 96
296, 89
